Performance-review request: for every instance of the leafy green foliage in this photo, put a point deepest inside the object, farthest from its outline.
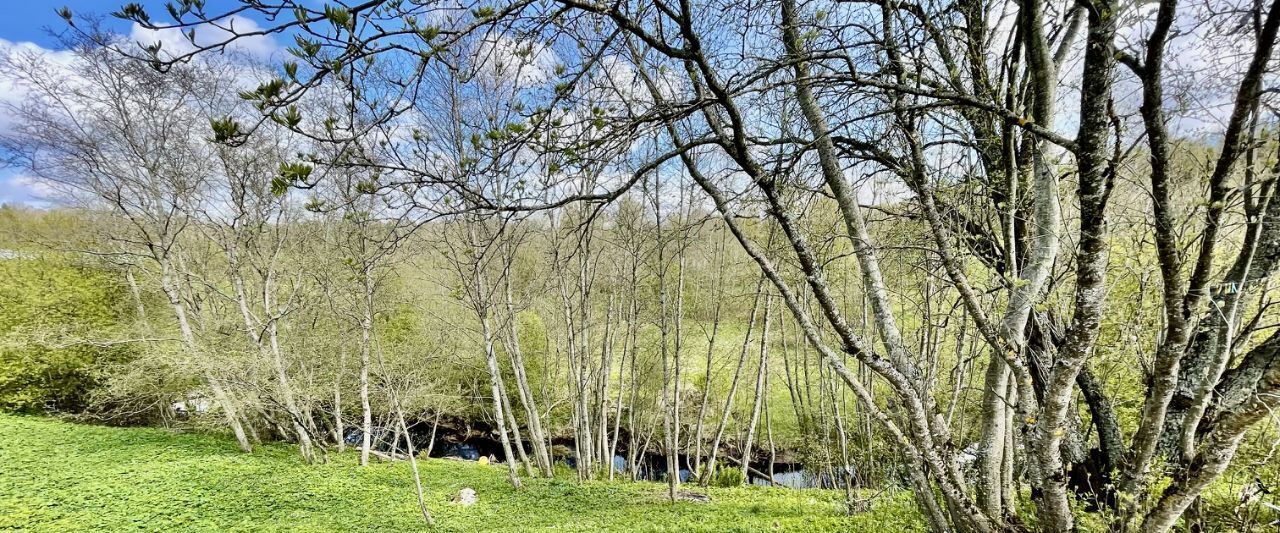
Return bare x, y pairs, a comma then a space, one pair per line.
64, 477
132, 11
728, 477
290, 174
47, 311
226, 130
339, 16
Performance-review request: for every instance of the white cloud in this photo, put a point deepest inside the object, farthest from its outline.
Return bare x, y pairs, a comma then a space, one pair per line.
175, 43
35, 187
505, 60
62, 69
27, 190
618, 79
12, 92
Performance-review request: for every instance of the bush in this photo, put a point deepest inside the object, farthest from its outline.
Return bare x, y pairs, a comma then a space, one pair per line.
728, 477
49, 311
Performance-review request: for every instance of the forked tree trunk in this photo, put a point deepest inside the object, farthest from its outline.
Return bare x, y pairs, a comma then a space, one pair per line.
220, 395
537, 436
480, 296
733, 386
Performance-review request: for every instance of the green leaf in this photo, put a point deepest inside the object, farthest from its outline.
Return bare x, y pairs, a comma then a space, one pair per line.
226, 130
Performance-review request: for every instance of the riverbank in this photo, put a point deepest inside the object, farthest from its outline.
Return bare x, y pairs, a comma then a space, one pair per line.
59, 476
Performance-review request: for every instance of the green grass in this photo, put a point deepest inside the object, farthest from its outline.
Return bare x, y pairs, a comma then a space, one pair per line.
58, 476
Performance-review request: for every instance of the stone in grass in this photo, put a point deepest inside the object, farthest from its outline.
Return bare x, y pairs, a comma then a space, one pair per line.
466, 496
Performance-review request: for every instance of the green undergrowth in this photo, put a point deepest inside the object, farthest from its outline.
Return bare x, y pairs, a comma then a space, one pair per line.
60, 476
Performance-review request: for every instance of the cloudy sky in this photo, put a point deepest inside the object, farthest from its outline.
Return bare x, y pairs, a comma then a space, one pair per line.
27, 22
1202, 80
33, 24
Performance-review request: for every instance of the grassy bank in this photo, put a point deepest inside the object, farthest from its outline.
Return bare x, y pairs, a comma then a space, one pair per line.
58, 476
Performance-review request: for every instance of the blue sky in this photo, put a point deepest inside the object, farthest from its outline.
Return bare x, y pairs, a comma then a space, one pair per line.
28, 20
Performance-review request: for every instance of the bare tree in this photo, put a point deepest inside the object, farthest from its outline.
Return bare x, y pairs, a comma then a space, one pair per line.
118, 137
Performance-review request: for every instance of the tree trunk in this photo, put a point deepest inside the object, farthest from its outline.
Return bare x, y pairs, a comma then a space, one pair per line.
761, 378
366, 410
220, 395
733, 386
537, 436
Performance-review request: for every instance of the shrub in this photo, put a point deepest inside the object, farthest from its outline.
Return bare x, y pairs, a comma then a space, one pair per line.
728, 477
49, 314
